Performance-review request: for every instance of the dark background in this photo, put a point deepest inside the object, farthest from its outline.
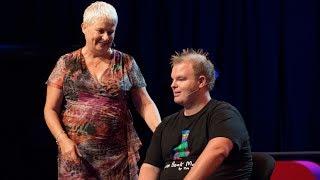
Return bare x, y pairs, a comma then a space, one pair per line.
266, 53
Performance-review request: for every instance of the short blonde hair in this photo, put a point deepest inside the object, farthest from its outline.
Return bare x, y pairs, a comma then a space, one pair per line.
100, 9
202, 66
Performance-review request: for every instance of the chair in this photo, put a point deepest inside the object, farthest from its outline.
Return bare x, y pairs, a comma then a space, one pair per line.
263, 166
296, 170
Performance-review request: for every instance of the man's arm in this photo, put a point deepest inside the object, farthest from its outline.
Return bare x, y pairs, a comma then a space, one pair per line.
210, 159
149, 172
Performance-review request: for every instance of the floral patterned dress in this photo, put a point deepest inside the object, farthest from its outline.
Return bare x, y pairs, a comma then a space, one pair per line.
96, 117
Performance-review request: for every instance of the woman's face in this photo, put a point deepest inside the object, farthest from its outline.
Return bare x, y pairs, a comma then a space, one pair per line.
99, 35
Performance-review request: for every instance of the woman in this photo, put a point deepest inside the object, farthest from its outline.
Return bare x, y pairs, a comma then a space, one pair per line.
94, 129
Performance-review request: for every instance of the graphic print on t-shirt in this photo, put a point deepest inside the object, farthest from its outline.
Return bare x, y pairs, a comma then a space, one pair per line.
182, 150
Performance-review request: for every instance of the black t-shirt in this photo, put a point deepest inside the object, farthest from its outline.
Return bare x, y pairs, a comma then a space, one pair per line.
179, 140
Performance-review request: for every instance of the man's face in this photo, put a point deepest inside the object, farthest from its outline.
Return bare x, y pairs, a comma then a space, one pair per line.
100, 34
184, 83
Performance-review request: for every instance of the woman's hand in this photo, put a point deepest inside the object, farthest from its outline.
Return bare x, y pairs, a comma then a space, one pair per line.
68, 148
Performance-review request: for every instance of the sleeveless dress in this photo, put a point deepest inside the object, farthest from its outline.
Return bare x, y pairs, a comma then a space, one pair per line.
97, 118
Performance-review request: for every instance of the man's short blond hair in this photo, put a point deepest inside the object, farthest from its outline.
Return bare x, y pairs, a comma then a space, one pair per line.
202, 66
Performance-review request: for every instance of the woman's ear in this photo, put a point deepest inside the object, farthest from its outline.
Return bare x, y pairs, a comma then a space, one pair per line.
83, 27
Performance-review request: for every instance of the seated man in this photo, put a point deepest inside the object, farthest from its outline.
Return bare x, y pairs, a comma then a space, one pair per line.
207, 139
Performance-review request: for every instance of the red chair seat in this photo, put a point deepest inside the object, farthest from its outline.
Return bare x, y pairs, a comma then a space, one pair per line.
296, 170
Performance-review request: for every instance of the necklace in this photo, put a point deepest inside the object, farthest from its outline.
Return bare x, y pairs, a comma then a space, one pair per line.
110, 54
96, 64
99, 61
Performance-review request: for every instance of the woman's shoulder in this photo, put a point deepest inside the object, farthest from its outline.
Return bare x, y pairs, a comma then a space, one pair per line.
70, 58
123, 56
118, 52
76, 54
125, 59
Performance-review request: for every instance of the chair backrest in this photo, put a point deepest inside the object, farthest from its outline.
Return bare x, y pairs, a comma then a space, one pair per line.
263, 166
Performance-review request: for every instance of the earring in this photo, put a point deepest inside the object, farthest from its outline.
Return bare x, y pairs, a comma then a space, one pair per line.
113, 44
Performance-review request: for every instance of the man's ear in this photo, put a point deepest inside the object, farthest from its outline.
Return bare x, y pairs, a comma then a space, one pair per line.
202, 81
